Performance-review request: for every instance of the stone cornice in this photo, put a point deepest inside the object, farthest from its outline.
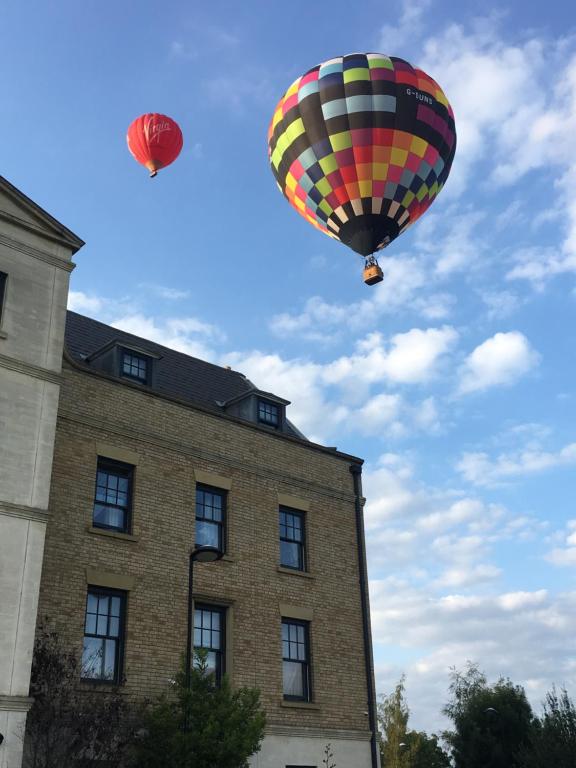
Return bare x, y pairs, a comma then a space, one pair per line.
29, 369
27, 513
126, 432
317, 733
36, 253
15, 703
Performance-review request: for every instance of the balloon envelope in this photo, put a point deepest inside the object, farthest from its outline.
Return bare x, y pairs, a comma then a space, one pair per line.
154, 140
361, 145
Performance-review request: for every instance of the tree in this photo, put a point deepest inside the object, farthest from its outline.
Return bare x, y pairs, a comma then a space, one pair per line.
554, 737
393, 716
202, 726
424, 751
401, 747
493, 725
68, 726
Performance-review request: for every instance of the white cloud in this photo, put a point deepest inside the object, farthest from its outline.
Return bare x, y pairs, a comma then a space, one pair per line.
500, 360
78, 301
451, 240
524, 635
403, 277
500, 304
565, 555
185, 334
539, 265
336, 396
410, 357
480, 469
394, 37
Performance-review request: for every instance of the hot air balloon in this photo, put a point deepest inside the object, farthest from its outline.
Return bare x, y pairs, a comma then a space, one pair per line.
361, 145
155, 141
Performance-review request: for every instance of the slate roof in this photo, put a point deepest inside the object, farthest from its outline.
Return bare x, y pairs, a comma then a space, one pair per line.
176, 374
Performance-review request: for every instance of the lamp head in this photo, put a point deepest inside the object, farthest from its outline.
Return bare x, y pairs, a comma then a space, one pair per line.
206, 554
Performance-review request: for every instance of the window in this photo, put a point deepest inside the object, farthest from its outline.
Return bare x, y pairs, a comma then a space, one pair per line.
292, 554
103, 635
113, 499
295, 660
134, 366
210, 516
268, 413
3, 281
209, 633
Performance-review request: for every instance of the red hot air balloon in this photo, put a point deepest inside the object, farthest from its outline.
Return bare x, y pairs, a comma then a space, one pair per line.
155, 141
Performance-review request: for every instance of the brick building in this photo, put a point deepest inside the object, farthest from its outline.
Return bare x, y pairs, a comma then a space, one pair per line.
156, 452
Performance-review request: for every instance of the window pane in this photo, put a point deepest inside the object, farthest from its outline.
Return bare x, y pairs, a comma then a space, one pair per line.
114, 628
197, 637
110, 660
103, 602
92, 603
211, 659
92, 657
293, 682
284, 631
102, 626
290, 554
216, 620
112, 517
207, 534
115, 606
90, 627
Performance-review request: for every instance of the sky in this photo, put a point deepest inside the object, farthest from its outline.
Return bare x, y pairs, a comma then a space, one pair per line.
453, 379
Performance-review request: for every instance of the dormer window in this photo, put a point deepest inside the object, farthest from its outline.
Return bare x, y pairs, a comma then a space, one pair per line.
268, 413
135, 366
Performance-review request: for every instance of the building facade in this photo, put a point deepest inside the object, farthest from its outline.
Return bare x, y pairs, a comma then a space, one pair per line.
156, 453
35, 266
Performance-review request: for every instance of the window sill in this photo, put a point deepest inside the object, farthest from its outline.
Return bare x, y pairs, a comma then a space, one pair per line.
294, 572
299, 705
111, 534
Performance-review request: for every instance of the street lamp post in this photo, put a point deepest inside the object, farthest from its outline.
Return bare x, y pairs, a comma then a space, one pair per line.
205, 554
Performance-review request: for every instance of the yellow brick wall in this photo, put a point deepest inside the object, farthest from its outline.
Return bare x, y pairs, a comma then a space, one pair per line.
171, 442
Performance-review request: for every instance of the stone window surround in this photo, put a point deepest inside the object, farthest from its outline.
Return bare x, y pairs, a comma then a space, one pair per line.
300, 613
126, 456
228, 606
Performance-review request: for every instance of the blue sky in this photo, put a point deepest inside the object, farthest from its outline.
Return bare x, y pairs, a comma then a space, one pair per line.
453, 378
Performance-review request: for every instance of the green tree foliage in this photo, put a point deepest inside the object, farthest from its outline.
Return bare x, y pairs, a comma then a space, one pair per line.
493, 724
401, 747
554, 737
424, 751
202, 726
393, 716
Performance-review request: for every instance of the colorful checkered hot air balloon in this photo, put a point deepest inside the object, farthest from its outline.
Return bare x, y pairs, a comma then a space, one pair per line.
361, 145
